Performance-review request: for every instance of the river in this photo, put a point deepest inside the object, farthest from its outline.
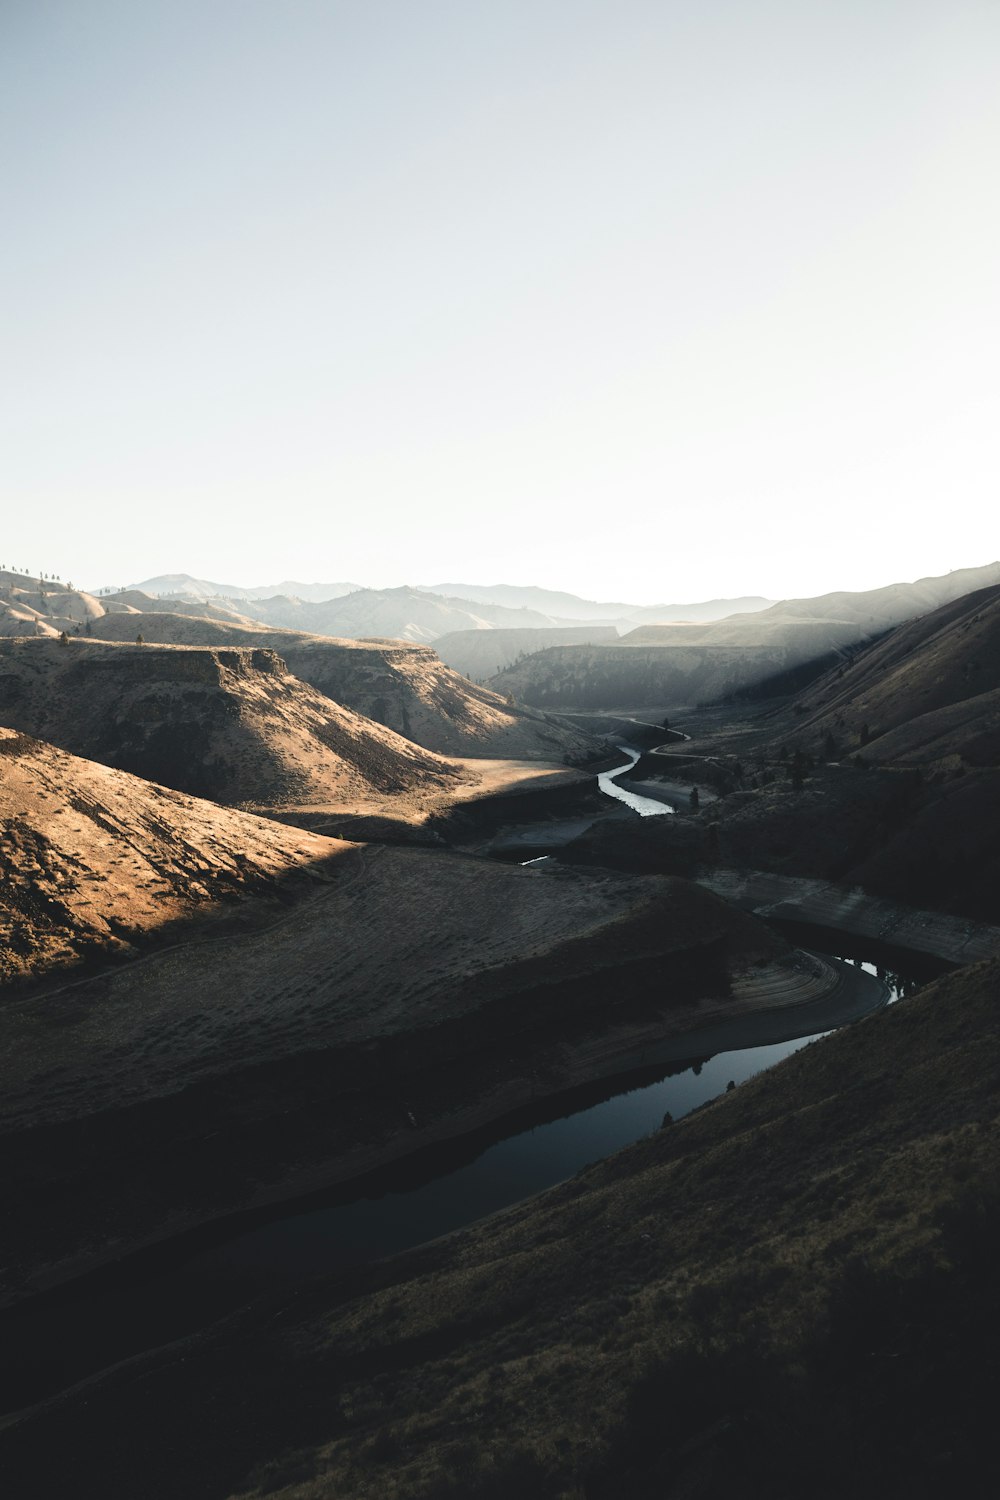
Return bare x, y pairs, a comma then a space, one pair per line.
165, 1293
646, 807
160, 1295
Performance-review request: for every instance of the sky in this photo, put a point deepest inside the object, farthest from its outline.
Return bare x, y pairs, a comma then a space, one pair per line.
641, 299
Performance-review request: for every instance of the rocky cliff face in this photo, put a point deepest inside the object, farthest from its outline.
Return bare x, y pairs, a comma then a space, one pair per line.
404, 686
230, 724
409, 689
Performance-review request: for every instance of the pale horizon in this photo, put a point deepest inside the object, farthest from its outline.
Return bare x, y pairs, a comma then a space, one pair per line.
641, 302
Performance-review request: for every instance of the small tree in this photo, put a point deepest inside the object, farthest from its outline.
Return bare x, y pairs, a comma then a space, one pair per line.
694, 799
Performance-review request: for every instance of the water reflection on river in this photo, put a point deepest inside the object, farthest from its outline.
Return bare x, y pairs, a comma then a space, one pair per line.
45, 1347
512, 1169
646, 807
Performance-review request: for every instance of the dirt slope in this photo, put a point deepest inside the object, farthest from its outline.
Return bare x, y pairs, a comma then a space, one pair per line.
232, 725
96, 861
401, 685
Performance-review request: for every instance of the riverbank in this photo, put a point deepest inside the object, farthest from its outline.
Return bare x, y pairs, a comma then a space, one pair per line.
221, 1075
823, 904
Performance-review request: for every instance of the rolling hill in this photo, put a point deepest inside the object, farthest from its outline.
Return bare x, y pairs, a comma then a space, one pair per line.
403, 686
97, 861
232, 725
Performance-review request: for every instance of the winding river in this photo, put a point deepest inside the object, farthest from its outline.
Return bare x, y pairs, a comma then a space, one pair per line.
646, 807
173, 1290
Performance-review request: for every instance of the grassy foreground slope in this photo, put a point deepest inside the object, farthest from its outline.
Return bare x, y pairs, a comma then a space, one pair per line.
791, 1292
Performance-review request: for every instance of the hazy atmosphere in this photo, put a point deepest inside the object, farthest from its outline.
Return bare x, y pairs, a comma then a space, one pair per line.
499, 749
401, 293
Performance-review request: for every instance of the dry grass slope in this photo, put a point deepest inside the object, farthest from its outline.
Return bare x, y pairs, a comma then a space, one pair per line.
404, 686
97, 862
790, 1292
232, 725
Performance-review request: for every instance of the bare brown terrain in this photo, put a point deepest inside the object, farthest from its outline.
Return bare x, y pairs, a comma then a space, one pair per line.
207, 1012
293, 1009
36, 606
96, 863
404, 686
232, 725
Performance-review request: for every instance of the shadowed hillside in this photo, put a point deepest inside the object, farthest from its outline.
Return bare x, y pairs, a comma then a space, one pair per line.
790, 1292
700, 663
928, 691
401, 685
635, 676
232, 725
410, 997
884, 773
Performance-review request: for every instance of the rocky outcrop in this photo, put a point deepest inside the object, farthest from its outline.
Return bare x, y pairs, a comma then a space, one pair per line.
230, 724
404, 686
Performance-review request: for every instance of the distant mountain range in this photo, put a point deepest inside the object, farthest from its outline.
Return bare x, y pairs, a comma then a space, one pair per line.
567, 608
672, 662
418, 614
184, 586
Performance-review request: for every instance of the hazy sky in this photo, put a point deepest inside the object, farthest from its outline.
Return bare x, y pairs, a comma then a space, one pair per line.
656, 301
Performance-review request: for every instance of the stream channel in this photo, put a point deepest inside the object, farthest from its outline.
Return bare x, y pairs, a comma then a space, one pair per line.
169, 1291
